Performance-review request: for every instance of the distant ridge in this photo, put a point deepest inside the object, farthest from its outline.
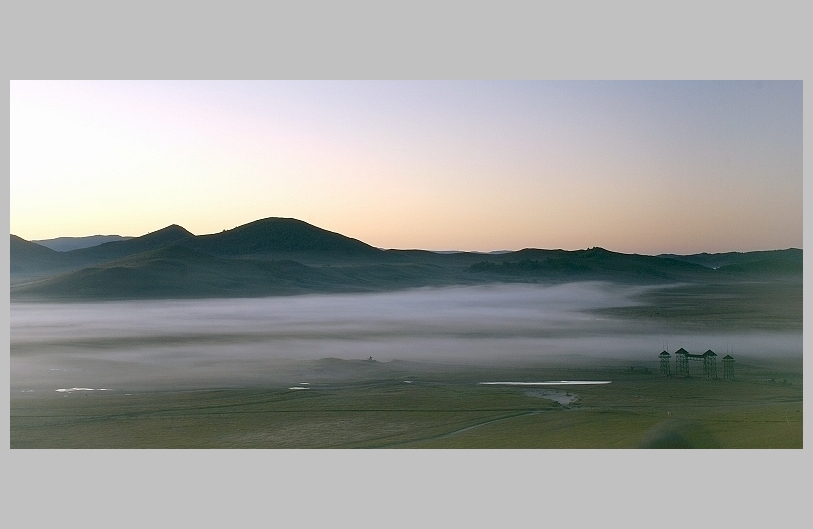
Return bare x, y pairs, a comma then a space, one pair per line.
31, 259
66, 244
593, 263
118, 249
717, 260
283, 256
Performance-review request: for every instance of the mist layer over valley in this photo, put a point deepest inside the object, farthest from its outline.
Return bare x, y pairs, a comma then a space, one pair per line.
238, 342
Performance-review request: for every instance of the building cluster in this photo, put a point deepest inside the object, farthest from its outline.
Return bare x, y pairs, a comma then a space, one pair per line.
683, 358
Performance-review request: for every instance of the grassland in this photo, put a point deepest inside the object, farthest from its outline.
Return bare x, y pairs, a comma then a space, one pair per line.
773, 303
443, 406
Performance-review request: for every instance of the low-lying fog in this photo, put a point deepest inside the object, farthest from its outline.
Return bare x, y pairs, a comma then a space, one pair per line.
215, 342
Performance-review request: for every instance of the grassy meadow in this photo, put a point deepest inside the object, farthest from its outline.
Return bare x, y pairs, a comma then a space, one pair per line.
371, 405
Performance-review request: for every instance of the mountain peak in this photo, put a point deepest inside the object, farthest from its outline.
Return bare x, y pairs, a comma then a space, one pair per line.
279, 234
172, 228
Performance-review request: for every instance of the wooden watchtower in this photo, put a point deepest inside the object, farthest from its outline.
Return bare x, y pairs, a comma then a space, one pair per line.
682, 363
728, 367
666, 367
710, 364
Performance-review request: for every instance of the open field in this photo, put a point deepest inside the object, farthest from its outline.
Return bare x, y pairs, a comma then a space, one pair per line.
364, 404
764, 303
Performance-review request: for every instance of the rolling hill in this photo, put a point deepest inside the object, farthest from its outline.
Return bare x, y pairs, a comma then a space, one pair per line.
29, 259
593, 263
281, 256
718, 260
119, 249
282, 236
179, 272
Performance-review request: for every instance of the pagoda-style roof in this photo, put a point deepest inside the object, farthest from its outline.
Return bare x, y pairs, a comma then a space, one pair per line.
709, 353
728, 357
681, 351
664, 354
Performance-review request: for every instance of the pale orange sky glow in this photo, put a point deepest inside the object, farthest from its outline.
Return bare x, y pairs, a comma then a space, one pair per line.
644, 167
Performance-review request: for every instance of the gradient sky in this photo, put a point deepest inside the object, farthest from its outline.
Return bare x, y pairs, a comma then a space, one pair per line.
644, 167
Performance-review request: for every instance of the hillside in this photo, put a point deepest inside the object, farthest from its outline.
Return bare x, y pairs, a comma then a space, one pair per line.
180, 272
764, 267
28, 259
119, 249
278, 256
594, 263
717, 260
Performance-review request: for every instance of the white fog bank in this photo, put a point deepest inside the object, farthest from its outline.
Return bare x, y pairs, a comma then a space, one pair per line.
207, 341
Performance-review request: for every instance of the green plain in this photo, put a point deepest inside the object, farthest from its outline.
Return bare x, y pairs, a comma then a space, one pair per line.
444, 406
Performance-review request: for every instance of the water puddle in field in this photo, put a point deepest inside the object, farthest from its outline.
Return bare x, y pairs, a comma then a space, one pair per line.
561, 397
549, 383
565, 399
71, 390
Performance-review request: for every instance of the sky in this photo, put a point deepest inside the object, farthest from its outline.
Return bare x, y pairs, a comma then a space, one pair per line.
635, 167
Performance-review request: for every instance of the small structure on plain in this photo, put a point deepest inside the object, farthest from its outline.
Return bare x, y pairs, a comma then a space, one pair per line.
709, 359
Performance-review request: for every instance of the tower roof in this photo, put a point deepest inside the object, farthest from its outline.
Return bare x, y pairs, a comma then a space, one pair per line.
709, 353
664, 354
728, 357
681, 351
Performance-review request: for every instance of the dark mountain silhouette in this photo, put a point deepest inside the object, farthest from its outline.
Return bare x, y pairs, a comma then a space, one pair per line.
593, 263
27, 258
66, 244
282, 236
118, 249
717, 260
280, 256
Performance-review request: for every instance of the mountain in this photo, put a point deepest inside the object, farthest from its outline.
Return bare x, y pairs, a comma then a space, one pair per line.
284, 238
66, 244
29, 259
593, 263
282, 256
119, 249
